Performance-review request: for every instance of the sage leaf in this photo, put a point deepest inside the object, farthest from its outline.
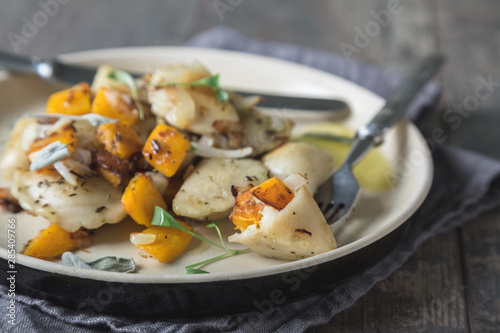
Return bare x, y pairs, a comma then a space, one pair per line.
69, 259
49, 155
96, 119
108, 263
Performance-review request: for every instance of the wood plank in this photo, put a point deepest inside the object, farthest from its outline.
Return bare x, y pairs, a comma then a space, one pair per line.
468, 35
326, 25
469, 39
425, 295
95, 24
482, 260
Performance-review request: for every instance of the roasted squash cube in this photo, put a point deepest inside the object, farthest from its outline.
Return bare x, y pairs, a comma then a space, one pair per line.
246, 211
273, 192
72, 101
165, 149
169, 243
115, 104
110, 167
119, 139
53, 241
140, 199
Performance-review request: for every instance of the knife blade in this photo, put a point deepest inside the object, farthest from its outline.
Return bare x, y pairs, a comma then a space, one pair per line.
291, 106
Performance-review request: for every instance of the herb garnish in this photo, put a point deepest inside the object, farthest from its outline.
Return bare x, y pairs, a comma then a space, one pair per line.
164, 219
49, 155
326, 136
108, 263
125, 78
210, 81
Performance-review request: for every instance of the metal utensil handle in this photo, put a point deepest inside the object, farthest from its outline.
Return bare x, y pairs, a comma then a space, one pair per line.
33, 65
372, 133
16, 63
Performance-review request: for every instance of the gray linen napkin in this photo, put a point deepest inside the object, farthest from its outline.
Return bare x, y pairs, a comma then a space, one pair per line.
464, 186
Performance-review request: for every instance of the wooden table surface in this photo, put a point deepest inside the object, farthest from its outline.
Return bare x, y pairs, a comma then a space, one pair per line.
452, 282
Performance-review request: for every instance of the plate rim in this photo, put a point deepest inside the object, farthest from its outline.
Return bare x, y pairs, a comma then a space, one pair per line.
52, 267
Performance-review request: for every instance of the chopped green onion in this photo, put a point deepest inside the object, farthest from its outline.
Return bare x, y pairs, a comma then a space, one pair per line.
210, 81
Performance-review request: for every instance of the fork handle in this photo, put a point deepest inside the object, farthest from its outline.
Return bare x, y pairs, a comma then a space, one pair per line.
372, 134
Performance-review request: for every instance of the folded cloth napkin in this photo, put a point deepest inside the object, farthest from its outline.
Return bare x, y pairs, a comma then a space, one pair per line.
464, 186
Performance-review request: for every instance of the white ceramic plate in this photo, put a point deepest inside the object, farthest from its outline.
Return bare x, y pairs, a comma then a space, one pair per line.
377, 214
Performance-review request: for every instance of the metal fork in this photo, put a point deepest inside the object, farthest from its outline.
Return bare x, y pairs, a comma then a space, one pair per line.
337, 197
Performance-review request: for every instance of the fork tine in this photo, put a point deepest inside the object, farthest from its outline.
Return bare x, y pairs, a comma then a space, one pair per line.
334, 211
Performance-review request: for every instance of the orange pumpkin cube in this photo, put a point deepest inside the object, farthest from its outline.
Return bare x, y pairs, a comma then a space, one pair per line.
273, 192
119, 139
246, 211
53, 241
115, 104
140, 199
169, 243
165, 149
110, 167
72, 101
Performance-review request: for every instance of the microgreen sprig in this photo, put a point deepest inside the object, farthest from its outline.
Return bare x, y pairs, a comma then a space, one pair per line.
164, 219
125, 78
210, 81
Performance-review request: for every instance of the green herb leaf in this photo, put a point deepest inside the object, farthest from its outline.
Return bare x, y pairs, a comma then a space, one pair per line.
49, 155
210, 81
108, 263
326, 136
192, 148
190, 270
216, 226
162, 218
96, 119
222, 95
125, 78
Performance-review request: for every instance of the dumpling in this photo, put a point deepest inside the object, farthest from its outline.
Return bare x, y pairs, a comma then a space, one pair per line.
206, 193
281, 220
300, 157
90, 204
195, 109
